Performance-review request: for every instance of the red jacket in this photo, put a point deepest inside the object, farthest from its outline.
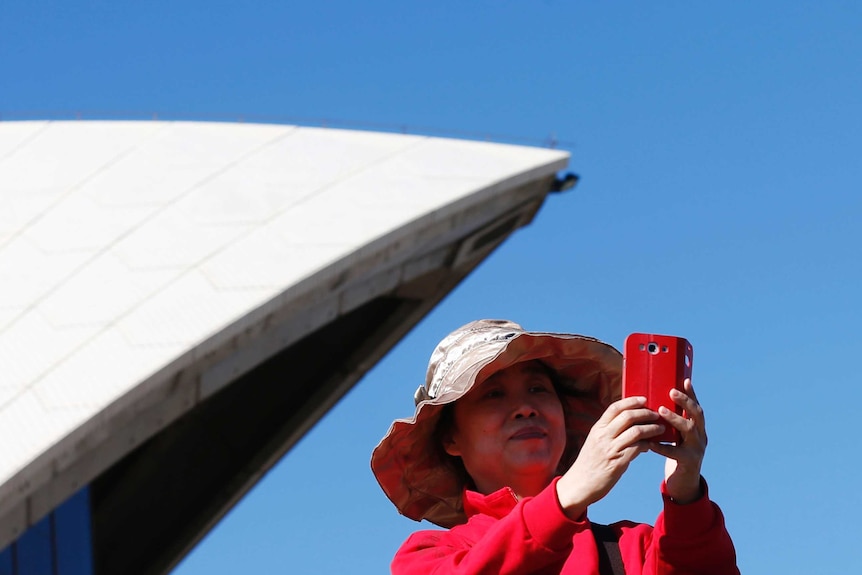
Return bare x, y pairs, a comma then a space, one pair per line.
533, 535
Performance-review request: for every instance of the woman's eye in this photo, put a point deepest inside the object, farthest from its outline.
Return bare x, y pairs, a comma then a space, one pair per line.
539, 389
494, 393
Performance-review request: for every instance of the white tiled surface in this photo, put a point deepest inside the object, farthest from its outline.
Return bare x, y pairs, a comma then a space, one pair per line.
94, 376
123, 245
14, 134
27, 273
30, 338
186, 312
79, 223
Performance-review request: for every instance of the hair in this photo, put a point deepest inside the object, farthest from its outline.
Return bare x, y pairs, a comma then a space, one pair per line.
556, 381
443, 428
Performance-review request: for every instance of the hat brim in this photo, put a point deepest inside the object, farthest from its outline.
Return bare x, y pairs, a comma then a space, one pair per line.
409, 463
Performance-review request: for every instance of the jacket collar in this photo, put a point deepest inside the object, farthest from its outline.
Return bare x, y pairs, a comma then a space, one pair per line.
497, 504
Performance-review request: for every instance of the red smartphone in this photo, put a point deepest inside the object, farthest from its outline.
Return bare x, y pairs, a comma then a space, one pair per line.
653, 365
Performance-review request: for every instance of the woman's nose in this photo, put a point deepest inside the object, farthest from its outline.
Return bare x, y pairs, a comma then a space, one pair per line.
525, 409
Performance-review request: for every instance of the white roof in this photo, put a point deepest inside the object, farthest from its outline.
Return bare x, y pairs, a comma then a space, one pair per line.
132, 251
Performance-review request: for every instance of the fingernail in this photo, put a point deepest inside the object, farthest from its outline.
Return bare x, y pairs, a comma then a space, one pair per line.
663, 410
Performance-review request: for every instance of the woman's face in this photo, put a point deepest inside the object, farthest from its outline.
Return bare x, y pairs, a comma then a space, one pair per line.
510, 429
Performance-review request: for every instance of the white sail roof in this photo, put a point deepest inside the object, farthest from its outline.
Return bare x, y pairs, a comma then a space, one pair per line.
140, 262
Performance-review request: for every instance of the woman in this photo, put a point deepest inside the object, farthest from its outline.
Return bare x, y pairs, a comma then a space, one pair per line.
515, 434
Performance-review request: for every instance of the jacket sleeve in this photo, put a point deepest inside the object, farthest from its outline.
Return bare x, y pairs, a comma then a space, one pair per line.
534, 534
690, 539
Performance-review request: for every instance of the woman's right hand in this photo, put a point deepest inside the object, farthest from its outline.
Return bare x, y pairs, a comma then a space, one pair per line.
622, 433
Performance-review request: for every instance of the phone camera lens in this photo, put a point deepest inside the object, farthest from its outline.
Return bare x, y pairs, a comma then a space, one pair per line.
652, 347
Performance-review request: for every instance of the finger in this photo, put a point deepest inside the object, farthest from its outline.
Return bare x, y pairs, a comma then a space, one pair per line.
677, 452
690, 405
665, 449
618, 407
691, 432
636, 434
631, 418
630, 453
622, 405
685, 425
684, 394
689, 388
696, 413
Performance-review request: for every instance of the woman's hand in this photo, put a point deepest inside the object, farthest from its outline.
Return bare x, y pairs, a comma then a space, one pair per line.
684, 460
621, 434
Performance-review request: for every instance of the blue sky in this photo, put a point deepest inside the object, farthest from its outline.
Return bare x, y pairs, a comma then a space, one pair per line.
719, 150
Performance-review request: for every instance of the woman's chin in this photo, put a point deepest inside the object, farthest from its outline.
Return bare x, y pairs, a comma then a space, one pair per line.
537, 463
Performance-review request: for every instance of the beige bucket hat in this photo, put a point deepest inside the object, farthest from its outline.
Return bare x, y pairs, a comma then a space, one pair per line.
409, 462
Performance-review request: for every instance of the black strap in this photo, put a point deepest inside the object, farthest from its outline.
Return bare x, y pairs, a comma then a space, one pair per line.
608, 545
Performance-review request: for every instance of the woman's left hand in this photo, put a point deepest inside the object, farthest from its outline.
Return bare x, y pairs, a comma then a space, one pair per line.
684, 460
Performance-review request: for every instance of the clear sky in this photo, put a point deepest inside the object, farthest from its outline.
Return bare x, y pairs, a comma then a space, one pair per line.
719, 149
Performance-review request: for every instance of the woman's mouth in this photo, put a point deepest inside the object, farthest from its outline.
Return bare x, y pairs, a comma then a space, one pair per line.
532, 432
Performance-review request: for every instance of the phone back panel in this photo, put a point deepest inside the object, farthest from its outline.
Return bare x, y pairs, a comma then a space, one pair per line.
653, 364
